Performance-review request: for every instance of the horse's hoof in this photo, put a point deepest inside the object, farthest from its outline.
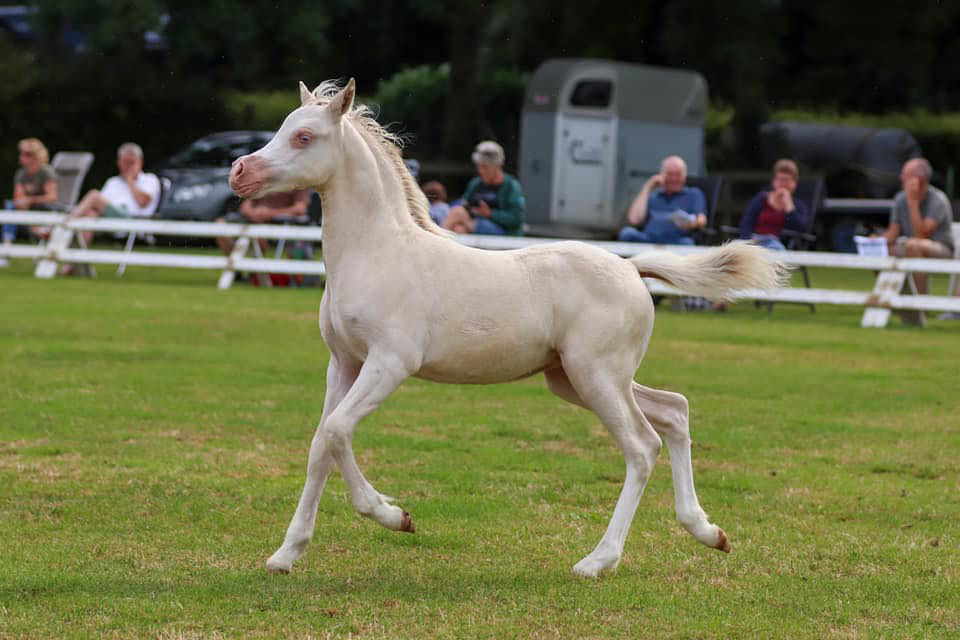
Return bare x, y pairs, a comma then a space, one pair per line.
277, 568
280, 562
722, 543
407, 524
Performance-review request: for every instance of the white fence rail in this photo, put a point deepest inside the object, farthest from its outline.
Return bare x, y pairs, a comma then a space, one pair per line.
888, 294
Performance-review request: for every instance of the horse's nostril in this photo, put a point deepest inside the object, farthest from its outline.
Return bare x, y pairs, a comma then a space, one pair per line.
238, 167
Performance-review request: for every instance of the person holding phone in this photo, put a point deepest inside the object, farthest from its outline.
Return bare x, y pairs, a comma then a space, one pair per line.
493, 203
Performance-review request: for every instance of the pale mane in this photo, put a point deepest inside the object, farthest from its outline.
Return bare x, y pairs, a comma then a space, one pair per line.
390, 144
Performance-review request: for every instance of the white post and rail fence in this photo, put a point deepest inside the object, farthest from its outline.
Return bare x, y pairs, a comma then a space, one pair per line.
891, 292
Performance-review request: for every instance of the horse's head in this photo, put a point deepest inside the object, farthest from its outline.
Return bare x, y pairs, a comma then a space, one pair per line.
303, 153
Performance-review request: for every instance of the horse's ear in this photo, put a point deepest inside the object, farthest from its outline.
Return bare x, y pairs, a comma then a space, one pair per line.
343, 101
305, 95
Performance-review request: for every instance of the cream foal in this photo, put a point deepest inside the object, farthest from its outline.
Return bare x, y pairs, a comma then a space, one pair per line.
398, 304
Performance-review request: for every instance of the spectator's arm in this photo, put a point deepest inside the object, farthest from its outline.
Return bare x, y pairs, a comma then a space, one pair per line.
749, 218
699, 209
511, 212
924, 227
798, 218
296, 209
20, 198
49, 195
300, 204
892, 233
467, 194
893, 227
262, 213
637, 213
142, 197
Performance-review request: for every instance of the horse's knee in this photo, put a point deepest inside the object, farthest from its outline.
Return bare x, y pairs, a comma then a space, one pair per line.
336, 434
675, 418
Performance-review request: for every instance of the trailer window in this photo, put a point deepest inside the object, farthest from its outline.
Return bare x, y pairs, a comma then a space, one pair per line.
592, 93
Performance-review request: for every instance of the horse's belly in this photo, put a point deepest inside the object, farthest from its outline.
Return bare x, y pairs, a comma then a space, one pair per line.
480, 364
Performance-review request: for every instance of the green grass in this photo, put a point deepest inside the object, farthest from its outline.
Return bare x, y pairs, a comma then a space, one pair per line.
154, 434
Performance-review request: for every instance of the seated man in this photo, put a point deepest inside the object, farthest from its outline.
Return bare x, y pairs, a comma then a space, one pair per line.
131, 194
276, 207
920, 218
670, 214
493, 203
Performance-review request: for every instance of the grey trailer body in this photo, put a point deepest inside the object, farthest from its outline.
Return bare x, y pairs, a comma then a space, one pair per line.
592, 131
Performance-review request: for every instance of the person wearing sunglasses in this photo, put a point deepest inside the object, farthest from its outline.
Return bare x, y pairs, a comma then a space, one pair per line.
34, 186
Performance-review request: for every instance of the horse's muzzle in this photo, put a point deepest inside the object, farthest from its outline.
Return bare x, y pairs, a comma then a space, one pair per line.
248, 175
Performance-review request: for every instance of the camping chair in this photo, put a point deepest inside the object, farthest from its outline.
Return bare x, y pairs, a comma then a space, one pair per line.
71, 168
811, 192
711, 186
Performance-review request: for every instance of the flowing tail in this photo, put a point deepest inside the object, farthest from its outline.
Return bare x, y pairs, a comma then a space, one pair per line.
718, 274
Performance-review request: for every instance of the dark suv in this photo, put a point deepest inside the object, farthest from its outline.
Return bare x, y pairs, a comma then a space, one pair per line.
198, 188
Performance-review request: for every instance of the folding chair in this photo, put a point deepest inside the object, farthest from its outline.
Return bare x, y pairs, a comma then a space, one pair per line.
811, 192
132, 236
71, 168
711, 186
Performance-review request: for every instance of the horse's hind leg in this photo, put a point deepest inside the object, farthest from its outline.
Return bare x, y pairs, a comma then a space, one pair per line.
612, 401
340, 377
669, 414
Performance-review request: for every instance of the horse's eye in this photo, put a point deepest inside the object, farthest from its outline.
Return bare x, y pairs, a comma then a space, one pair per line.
301, 139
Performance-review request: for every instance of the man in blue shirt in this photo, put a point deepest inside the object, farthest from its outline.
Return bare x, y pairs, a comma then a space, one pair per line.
671, 213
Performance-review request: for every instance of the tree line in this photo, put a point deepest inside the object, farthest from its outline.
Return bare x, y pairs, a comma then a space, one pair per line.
87, 80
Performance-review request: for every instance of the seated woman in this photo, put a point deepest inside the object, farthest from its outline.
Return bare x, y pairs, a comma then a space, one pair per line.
34, 184
671, 213
493, 203
770, 212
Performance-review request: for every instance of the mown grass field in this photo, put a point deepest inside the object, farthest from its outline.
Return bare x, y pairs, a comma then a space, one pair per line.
153, 442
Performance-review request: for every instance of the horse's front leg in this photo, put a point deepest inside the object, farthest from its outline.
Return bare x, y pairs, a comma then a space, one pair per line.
341, 375
379, 376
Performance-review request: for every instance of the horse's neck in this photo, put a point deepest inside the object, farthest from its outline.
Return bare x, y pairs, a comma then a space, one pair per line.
364, 205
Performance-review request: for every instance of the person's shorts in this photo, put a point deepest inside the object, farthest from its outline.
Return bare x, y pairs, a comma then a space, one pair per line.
931, 248
236, 217
488, 228
112, 211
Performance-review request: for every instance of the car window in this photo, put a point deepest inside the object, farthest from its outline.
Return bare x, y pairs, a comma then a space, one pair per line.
214, 153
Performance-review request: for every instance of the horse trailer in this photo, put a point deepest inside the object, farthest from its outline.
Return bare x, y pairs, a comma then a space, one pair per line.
591, 133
